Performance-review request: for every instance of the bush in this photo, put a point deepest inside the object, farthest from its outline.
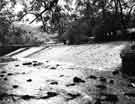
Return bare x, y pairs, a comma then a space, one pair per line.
128, 59
4, 29
99, 33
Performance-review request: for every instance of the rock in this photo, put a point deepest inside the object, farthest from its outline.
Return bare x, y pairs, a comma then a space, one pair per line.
72, 84
102, 87
61, 75
9, 74
78, 80
111, 81
92, 77
52, 67
37, 63
27, 63
49, 94
5, 79
86, 99
115, 72
102, 79
129, 94
128, 60
2, 75
29, 80
73, 95
16, 65
54, 83
26, 97
109, 97
15, 86
3, 72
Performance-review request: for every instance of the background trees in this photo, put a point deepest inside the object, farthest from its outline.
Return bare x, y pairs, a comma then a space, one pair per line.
58, 15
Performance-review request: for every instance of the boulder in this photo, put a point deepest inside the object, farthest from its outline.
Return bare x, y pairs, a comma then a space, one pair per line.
128, 59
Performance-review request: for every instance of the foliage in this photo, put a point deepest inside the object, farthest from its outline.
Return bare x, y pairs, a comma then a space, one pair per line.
56, 17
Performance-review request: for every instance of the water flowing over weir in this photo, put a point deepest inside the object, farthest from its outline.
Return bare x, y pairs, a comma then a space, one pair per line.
76, 74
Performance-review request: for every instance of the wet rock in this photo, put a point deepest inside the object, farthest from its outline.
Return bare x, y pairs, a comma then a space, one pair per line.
57, 65
34, 61
26, 97
3, 72
27, 63
61, 75
5, 79
86, 99
72, 84
54, 83
2, 76
92, 77
73, 95
47, 61
49, 94
37, 64
16, 65
52, 67
78, 80
102, 79
2, 95
130, 94
29, 80
102, 87
10, 74
109, 97
111, 81
15, 86
115, 72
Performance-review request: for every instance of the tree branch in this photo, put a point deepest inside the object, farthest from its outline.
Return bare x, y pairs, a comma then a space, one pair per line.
52, 4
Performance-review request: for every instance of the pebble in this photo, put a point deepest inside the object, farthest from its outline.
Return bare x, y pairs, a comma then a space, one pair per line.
111, 81
72, 84
29, 80
61, 75
27, 63
5, 79
16, 65
2, 75
102, 79
9, 74
3, 72
101, 87
73, 95
15, 86
92, 77
26, 97
115, 72
78, 80
129, 94
52, 67
109, 97
54, 83
50, 94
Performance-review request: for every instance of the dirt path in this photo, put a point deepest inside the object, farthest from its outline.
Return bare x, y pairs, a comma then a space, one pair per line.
85, 74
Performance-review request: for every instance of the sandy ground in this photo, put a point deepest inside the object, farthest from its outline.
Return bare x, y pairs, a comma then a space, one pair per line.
83, 74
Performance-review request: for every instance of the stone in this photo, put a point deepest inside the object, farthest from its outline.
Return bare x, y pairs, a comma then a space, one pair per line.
78, 80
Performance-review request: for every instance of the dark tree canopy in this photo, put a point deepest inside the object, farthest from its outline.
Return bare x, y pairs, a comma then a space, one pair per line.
57, 15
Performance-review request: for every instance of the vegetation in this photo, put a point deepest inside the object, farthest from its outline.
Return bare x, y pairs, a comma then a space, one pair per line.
128, 59
105, 18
